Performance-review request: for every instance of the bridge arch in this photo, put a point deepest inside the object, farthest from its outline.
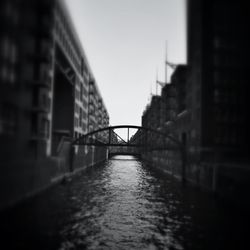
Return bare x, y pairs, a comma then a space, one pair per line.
107, 137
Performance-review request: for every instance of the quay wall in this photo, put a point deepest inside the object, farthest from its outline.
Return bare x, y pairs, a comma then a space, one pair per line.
226, 180
22, 178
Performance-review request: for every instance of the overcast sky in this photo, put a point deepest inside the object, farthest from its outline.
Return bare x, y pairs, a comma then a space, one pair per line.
124, 41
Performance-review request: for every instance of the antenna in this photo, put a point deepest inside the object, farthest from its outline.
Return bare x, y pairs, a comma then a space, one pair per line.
162, 84
156, 82
167, 63
150, 96
171, 65
166, 59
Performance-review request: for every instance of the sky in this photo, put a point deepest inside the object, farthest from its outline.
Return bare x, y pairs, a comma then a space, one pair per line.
125, 43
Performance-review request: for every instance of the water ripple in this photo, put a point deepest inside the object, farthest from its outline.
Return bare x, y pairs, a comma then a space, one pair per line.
123, 206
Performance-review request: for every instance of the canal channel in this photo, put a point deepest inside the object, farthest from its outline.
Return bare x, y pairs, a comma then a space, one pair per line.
123, 204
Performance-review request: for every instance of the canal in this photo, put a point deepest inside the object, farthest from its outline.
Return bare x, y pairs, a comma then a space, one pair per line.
123, 204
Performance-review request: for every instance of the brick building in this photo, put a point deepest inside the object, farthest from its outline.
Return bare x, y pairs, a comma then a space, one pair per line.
151, 115
218, 80
44, 94
209, 111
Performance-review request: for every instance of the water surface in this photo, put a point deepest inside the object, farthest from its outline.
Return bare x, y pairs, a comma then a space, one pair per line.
123, 204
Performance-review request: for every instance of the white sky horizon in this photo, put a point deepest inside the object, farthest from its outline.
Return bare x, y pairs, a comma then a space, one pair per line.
125, 43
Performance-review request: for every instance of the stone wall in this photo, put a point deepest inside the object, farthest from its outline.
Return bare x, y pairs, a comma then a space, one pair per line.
226, 180
21, 179
200, 174
85, 156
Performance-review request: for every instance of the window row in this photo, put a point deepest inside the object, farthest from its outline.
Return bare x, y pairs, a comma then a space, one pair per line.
229, 137
229, 78
79, 95
8, 120
67, 43
7, 74
229, 97
79, 111
8, 49
79, 123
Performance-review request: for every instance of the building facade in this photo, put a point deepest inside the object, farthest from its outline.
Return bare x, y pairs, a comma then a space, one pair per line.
207, 108
151, 115
46, 79
97, 115
218, 79
26, 78
45, 94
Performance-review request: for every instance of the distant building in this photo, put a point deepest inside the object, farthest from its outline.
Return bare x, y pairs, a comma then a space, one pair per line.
151, 115
161, 111
181, 126
179, 80
168, 106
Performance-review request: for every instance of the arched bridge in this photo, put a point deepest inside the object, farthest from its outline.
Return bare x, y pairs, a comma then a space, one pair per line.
143, 141
147, 139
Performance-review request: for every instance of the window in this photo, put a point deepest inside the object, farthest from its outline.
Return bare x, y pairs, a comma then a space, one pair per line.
13, 53
80, 118
82, 66
5, 47
4, 73
81, 91
8, 120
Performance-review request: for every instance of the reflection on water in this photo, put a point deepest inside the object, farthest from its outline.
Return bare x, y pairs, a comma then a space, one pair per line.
122, 205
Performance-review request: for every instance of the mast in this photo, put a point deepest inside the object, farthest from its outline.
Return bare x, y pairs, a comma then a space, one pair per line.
156, 82
166, 59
